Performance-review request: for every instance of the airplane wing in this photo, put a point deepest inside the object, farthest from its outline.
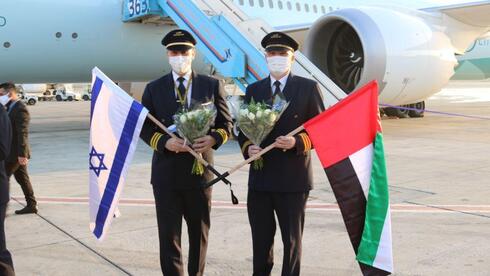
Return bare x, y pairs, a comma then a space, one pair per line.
293, 28
474, 13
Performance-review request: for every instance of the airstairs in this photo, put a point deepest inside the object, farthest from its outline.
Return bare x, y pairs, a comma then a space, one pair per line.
227, 37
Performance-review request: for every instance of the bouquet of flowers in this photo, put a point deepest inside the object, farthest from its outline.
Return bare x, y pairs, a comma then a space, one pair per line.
256, 121
194, 123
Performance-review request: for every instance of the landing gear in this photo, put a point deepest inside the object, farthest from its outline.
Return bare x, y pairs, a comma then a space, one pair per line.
419, 113
400, 112
396, 112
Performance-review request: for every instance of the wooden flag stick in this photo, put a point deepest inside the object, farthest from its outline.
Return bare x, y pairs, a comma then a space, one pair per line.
195, 154
253, 158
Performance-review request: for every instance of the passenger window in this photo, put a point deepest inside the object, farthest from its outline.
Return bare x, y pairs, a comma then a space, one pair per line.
271, 4
279, 4
240, 2
289, 5
323, 9
298, 6
331, 9
307, 7
251, 3
261, 3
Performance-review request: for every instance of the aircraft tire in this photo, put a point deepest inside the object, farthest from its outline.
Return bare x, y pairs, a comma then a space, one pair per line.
417, 113
395, 112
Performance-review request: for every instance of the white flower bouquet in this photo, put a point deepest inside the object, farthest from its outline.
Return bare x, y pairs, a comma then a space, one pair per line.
194, 123
256, 121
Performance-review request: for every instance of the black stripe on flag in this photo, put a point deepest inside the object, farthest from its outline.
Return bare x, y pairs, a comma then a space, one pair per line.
350, 197
352, 203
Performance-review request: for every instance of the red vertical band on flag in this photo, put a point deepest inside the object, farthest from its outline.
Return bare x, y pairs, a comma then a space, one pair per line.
346, 127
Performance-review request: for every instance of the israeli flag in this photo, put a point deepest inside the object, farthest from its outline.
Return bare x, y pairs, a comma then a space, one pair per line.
116, 120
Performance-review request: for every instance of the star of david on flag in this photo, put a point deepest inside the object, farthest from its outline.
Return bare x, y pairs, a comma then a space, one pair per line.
116, 120
96, 167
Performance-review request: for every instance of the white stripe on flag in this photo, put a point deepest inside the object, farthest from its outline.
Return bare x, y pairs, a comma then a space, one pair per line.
116, 122
362, 161
384, 256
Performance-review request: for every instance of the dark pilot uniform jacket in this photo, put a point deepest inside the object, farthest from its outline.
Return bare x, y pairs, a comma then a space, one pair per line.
290, 170
172, 170
5, 143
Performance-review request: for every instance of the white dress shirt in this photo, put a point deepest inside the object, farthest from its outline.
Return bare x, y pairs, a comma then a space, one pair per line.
283, 82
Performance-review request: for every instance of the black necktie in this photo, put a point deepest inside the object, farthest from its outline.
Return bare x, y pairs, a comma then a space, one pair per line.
181, 89
277, 90
8, 106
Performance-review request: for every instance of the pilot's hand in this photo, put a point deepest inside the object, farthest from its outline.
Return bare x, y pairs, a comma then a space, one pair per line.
285, 142
204, 143
253, 150
23, 161
176, 145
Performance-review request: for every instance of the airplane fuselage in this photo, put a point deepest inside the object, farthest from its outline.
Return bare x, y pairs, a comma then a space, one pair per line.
61, 41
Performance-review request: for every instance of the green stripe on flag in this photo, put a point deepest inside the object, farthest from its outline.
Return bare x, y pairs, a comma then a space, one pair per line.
377, 206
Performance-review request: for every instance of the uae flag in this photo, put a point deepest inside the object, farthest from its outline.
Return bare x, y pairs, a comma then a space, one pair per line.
349, 142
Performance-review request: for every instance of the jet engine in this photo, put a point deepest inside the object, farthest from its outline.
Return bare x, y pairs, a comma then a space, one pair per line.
410, 57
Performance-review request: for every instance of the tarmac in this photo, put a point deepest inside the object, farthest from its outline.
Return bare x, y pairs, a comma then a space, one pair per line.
439, 182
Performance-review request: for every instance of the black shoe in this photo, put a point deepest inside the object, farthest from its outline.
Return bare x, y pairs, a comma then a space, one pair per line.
29, 209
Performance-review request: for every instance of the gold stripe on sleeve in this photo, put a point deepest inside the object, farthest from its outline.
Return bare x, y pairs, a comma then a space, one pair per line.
309, 141
306, 141
155, 139
245, 145
151, 140
223, 134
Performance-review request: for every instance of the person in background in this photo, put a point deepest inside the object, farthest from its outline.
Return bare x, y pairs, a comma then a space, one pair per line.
16, 163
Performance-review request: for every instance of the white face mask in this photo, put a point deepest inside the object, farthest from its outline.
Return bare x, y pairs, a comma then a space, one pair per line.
279, 65
180, 64
4, 99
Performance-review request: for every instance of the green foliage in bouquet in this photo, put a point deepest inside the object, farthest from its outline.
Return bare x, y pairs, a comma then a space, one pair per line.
195, 123
256, 120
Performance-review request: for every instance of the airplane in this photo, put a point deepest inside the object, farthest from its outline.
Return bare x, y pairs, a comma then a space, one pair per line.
475, 63
410, 47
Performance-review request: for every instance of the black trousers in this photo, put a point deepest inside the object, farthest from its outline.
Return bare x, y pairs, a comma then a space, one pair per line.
21, 176
6, 265
290, 211
171, 206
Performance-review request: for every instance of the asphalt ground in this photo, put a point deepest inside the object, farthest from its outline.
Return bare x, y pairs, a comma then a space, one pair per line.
439, 177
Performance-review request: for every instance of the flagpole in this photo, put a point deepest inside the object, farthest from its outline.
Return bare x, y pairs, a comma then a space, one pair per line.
253, 158
195, 154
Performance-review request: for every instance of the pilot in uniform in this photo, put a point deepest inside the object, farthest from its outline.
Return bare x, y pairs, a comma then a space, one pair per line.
178, 193
282, 186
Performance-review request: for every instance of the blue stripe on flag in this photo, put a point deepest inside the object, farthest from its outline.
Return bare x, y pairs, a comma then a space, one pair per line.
117, 167
95, 94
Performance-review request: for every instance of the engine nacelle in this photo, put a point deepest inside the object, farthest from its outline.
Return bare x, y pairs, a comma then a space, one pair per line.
410, 58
